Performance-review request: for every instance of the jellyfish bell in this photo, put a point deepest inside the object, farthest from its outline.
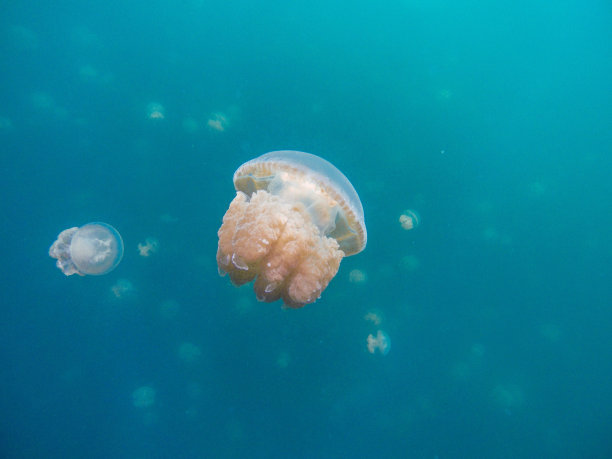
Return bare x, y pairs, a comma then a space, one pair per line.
94, 249
294, 217
409, 219
149, 247
143, 397
381, 343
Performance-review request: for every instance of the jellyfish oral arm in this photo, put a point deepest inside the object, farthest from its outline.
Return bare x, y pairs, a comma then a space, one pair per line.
275, 242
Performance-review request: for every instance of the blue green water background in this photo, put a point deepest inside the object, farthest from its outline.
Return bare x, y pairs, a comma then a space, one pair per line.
492, 120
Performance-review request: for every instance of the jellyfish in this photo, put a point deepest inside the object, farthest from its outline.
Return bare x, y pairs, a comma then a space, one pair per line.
218, 122
122, 288
155, 111
149, 247
189, 352
409, 219
380, 342
143, 397
95, 249
357, 276
169, 309
294, 217
373, 316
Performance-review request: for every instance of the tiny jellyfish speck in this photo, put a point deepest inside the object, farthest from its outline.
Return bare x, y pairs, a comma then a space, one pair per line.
294, 217
94, 249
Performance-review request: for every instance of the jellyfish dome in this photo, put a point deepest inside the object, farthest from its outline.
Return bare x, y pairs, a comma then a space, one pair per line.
94, 249
294, 217
380, 342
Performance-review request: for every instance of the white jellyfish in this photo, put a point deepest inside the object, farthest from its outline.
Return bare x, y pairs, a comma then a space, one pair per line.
149, 247
122, 288
373, 316
218, 122
155, 111
380, 342
357, 276
409, 219
94, 249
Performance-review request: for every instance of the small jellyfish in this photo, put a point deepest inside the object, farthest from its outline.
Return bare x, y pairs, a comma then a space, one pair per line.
169, 309
294, 217
122, 288
167, 218
143, 397
95, 249
155, 111
189, 352
5, 124
283, 359
149, 247
374, 317
508, 397
218, 122
409, 219
410, 263
380, 342
21, 38
357, 276
190, 125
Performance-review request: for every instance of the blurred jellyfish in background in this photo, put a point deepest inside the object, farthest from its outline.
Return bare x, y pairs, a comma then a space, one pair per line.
94, 249
155, 111
143, 397
380, 342
150, 246
283, 360
169, 309
168, 218
122, 288
551, 332
508, 397
221, 121
5, 124
357, 276
218, 122
409, 219
190, 125
294, 217
410, 263
90, 74
84, 37
46, 106
189, 353
469, 365
21, 38
373, 316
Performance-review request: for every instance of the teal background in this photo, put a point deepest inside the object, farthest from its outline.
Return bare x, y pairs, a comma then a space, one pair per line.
492, 120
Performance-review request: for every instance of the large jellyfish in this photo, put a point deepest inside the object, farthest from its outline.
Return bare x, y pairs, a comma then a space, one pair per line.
294, 217
95, 249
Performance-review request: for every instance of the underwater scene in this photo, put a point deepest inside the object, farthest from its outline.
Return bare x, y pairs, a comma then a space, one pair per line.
320, 229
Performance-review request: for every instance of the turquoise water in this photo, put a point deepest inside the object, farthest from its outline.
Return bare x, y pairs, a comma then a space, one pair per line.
491, 121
